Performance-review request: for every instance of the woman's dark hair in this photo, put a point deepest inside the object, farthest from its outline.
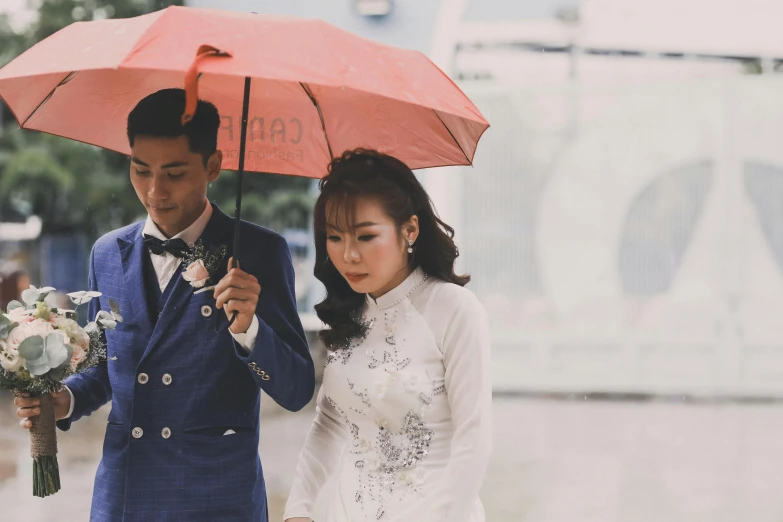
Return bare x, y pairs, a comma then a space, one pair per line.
365, 173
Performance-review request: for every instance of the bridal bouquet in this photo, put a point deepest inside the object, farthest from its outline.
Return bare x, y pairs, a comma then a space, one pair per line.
41, 345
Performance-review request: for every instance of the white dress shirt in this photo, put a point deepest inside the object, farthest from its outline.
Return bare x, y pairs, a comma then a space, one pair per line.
166, 265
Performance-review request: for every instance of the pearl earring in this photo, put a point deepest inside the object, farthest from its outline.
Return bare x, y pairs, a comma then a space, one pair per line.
410, 246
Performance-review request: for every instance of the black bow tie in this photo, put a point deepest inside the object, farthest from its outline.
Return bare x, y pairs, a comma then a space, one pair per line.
176, 247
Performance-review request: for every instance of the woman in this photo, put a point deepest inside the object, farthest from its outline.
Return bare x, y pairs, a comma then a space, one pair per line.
403, 414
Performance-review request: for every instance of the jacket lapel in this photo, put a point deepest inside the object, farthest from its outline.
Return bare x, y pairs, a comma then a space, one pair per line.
219, 231
132, 251
215, 233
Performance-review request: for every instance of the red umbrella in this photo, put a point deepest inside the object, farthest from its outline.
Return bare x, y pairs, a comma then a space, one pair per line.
292, 93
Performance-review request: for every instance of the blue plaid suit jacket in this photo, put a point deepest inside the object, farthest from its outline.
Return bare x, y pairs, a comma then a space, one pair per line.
200, 384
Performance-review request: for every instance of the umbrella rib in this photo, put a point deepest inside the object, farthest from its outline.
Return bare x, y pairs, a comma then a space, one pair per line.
452, 136
68, 77
310, 95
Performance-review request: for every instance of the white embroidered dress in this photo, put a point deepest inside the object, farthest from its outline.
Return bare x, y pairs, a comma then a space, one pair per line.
403, 414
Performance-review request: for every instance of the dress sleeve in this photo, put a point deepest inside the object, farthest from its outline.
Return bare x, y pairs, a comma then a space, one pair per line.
468, 381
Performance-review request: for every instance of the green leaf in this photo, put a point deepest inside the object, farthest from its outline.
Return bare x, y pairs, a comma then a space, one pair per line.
56, 351
6, 329
58, 374
37, 370
5, 326
32, 348
68, 356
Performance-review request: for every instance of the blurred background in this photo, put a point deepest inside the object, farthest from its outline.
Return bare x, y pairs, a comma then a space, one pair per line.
623, 224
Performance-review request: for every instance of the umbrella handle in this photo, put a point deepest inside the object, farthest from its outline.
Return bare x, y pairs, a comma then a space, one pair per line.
191, 80
234, 264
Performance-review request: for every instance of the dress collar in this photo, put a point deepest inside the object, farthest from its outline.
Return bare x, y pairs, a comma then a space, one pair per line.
400, 292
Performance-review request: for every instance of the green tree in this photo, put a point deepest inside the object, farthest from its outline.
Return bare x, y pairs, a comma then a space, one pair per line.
76, 188
274, 201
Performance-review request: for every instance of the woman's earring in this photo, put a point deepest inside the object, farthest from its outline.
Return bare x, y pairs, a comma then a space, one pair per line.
410, 246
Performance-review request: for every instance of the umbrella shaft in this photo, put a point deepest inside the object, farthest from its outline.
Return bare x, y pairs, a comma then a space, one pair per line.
240, 175
241, 171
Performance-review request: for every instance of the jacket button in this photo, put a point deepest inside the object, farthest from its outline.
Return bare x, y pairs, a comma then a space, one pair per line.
167, 379
165, 433
137, 433
143, 378
206, 310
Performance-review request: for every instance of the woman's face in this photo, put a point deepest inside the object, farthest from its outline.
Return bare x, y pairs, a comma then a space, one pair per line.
372, 255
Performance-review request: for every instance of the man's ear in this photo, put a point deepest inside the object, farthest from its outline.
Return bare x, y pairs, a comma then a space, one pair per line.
214, 165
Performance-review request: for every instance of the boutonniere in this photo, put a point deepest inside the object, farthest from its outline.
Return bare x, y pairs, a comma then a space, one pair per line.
202, 266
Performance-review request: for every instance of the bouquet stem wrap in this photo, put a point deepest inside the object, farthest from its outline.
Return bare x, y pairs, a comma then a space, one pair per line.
43, 449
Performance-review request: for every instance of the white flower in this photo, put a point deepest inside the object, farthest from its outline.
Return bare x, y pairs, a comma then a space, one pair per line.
32, 294
196, 274
77, 337
10, 360
106, 320
91, 328
80, 298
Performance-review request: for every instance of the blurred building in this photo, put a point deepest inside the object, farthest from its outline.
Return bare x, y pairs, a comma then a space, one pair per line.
624, 218
623, 221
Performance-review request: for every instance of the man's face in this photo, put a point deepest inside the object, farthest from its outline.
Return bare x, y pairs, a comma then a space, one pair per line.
171, 181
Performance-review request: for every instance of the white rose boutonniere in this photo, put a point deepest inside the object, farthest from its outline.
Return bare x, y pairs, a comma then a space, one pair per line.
201, 266
196, 274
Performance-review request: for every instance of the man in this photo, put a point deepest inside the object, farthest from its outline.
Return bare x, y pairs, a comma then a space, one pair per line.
182, 438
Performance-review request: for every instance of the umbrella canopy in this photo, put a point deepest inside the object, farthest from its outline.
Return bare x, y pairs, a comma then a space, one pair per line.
313, 90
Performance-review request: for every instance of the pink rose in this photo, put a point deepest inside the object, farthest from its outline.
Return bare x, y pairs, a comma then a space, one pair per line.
79, 354
81, 339
19, 315
28, 329
196, 274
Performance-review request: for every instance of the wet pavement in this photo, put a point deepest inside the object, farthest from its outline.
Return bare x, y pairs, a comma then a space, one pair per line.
553, 461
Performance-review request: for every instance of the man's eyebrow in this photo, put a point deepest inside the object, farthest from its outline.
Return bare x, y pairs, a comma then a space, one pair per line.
134, 159
172, 165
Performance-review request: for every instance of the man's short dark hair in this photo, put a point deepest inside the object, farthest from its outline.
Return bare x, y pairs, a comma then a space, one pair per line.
159, 115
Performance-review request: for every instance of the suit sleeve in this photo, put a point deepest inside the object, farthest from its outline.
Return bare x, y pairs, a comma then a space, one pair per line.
280, 360
90, 389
